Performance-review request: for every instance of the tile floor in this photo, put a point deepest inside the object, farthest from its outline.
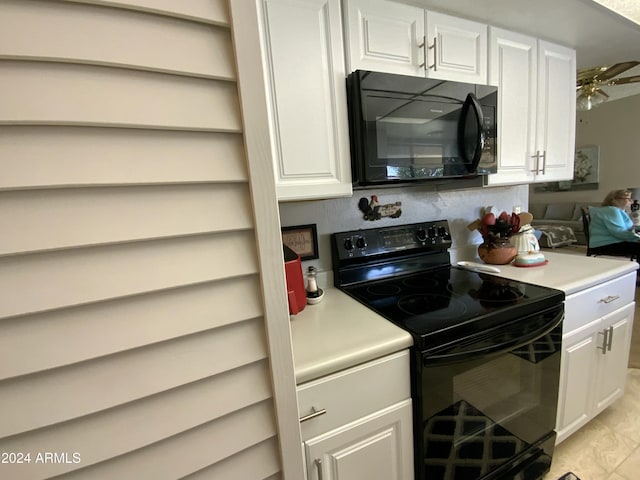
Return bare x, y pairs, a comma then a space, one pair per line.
608, 447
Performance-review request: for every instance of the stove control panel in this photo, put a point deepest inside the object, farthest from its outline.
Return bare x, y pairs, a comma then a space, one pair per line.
378, 241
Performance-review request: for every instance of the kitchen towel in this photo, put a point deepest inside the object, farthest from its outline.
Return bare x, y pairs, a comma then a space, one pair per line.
569, 476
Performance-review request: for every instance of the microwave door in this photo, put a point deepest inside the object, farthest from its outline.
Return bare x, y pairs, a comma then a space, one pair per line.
471, 133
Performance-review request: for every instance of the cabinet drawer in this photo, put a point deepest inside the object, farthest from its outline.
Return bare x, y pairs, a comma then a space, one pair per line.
595, 302
353, 393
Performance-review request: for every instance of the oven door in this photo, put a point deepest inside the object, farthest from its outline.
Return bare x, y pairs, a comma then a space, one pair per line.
485, 406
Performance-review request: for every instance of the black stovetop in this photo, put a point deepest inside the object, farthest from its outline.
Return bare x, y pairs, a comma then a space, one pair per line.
450, 301
409, 280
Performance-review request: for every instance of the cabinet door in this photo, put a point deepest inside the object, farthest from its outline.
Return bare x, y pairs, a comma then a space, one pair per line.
457, 48
613, 361
377, 447
556, 117
576, 383
513, 68
309, 126
384, 36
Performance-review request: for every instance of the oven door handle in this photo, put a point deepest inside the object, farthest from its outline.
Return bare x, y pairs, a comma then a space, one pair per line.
505, 347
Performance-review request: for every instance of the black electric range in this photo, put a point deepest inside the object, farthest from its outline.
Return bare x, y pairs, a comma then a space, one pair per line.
486, 357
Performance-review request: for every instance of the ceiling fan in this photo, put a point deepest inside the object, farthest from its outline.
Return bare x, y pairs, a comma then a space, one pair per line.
589, 81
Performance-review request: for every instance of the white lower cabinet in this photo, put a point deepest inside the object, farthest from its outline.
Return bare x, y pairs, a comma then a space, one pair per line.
357, 423
595, 352
370, 448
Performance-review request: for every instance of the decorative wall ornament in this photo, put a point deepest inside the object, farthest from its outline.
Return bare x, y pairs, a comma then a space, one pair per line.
374, 211
586, 170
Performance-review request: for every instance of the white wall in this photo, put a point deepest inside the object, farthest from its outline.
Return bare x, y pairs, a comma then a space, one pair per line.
459, 207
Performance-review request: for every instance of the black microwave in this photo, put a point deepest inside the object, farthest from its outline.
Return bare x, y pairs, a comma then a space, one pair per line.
411, 129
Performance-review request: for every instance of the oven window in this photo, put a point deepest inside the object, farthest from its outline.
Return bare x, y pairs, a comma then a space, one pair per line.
480, 414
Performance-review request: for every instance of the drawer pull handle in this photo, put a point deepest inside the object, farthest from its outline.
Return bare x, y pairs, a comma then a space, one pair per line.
610, 299
314, 413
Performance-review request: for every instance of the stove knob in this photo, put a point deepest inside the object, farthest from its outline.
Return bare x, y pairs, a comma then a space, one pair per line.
442, 232
431, 232
421, 234
348, 244
361, 242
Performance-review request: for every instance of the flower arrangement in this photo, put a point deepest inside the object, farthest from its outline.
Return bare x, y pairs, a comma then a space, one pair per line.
491, 227
496, 248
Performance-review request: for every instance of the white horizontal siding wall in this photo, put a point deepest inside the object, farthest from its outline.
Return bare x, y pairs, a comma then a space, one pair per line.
132, 315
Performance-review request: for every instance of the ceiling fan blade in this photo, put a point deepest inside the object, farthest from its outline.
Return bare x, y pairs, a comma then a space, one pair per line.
615, 70
585, 75
623, 80
601, 92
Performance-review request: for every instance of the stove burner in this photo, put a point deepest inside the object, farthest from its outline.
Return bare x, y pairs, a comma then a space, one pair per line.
383, 290
421, 282
492, 295
437, 306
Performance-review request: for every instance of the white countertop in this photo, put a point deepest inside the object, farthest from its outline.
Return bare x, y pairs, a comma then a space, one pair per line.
568, 272
339, 332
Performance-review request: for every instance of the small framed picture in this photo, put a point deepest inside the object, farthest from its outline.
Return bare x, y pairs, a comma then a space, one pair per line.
302, 239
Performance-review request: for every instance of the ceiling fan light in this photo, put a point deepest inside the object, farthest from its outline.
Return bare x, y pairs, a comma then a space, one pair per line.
598, 99
589, 98
584, 102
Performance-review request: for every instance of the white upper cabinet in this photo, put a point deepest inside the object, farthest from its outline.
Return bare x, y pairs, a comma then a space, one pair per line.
536, 108
304, 55
513, 68
390, 37
384, 37
456, 49
556, 124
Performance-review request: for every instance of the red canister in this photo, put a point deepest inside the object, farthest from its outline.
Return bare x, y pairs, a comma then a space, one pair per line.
296, 293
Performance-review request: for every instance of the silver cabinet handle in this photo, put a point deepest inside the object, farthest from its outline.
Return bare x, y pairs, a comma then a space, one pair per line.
607, 341
423, 45
435, 54
605, 332
319, 466
544, 161
609, 299
537, 157
314, 413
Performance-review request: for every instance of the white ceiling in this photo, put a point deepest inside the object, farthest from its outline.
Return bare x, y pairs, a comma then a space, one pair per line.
599, 35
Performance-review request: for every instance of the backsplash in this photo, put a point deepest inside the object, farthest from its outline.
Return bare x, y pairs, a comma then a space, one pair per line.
459, 207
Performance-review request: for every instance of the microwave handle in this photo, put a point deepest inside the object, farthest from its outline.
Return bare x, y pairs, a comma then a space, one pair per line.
471, 102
